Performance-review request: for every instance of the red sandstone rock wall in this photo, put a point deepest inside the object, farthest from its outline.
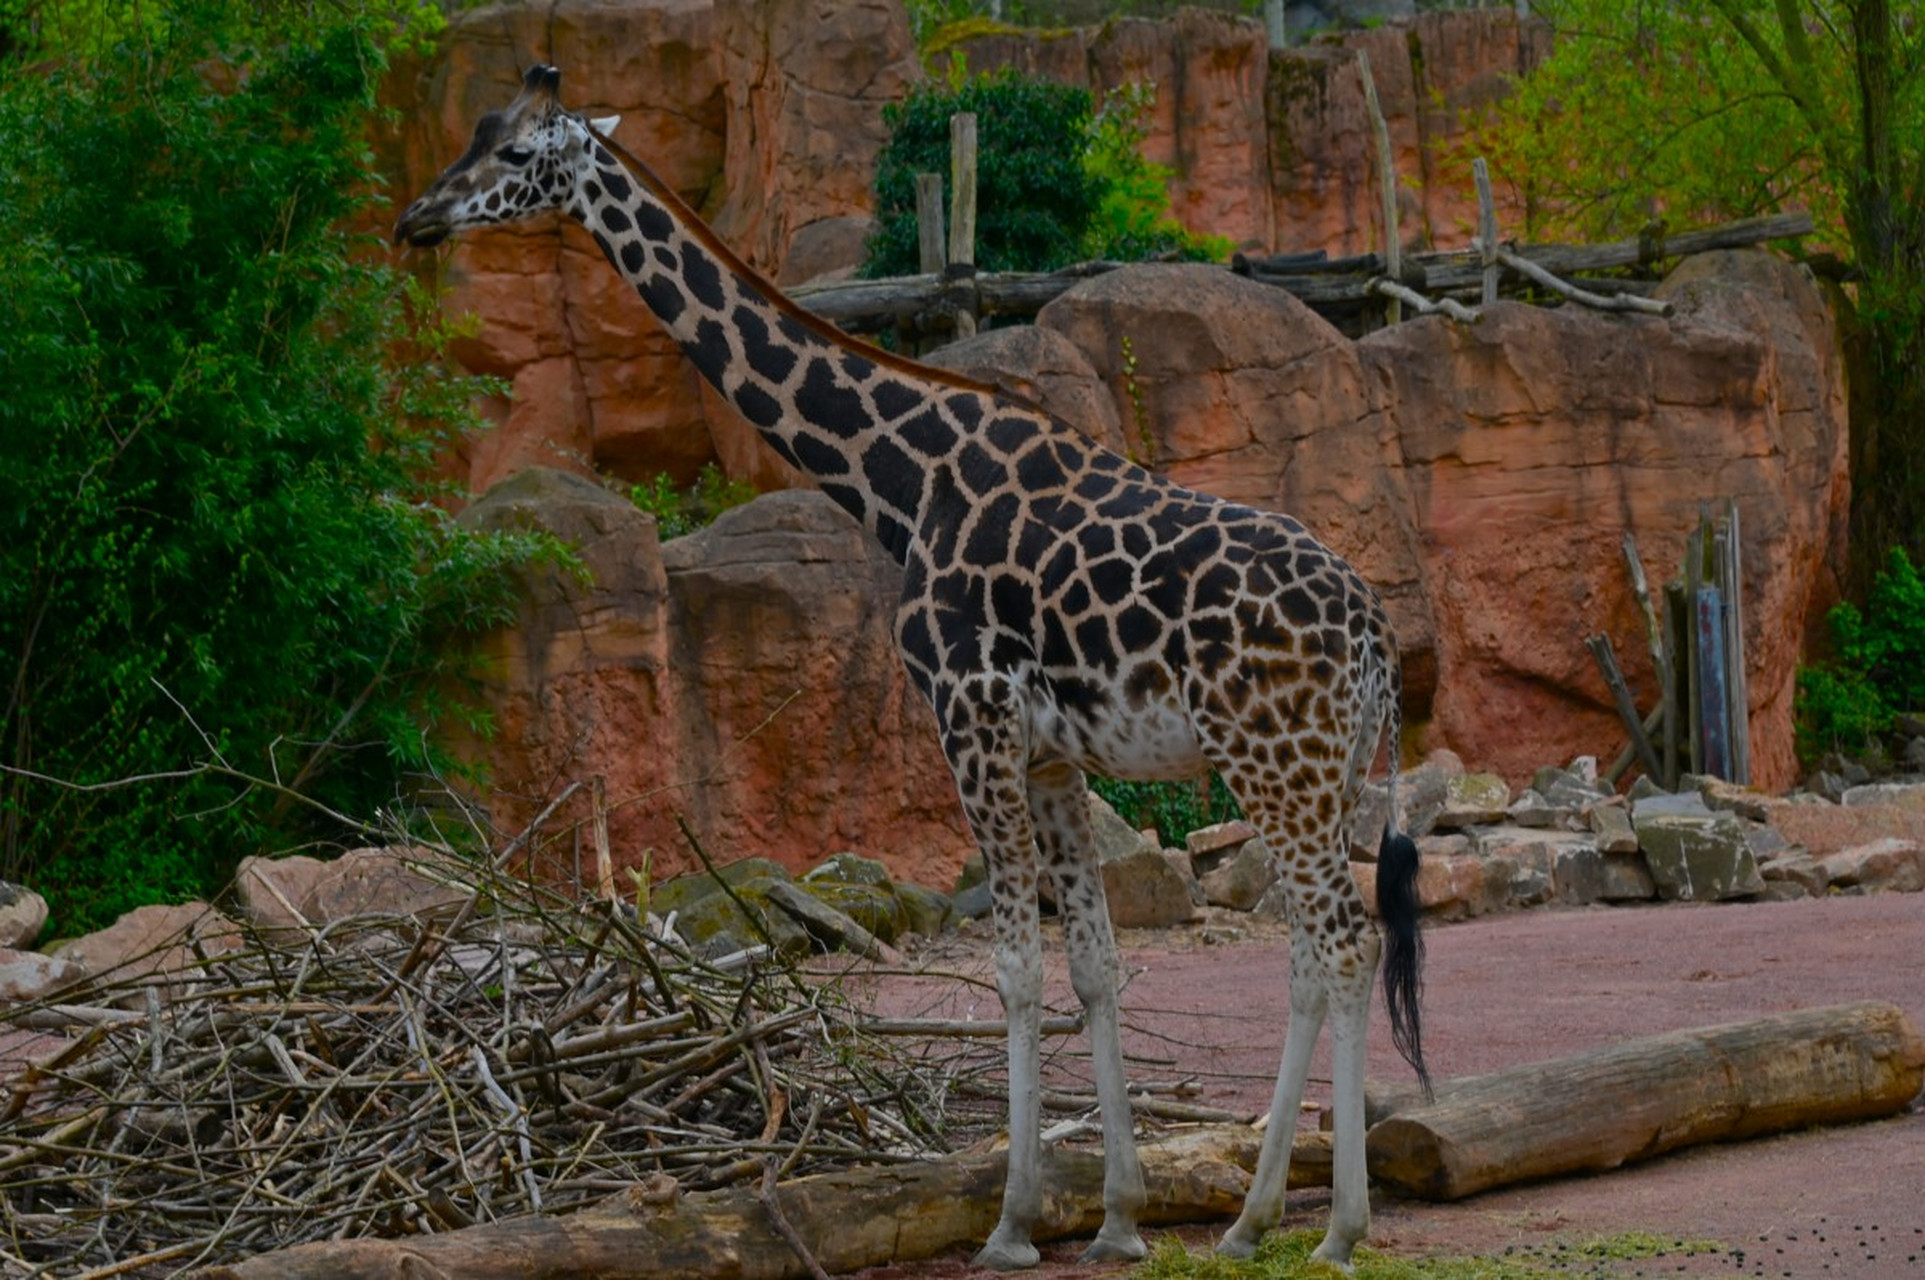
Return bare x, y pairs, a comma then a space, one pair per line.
1480, 476
766, 115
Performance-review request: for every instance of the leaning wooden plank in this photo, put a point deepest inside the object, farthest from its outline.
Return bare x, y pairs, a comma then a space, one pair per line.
1606, 657
857, 1218
1639, 1099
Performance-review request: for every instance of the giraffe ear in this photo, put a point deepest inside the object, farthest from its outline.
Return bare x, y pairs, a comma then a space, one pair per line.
604, 125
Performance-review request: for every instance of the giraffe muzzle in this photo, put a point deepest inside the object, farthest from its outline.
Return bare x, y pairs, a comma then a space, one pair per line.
419, 229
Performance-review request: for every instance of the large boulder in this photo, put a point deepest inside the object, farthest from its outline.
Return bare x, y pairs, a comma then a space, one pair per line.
742, 679
1483, 477
1695, 853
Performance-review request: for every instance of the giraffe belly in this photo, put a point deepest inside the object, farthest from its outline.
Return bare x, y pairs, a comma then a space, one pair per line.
1152, 740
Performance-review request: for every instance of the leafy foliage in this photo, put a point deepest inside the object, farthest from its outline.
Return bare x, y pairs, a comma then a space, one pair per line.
1132, 221
220, 542
1878, 670
1175, 809
1056, 181
680, 510
1034, 198
1722, 108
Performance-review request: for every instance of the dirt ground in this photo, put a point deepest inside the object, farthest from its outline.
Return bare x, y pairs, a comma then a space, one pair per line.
1206, 1005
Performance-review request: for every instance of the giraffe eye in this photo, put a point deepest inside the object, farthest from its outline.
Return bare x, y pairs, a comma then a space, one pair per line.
516, 155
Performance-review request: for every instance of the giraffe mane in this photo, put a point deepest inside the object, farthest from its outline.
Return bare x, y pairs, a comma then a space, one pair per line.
697, 227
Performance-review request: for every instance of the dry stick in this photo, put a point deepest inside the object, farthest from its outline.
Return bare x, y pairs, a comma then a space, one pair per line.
1603, 302
1425, 306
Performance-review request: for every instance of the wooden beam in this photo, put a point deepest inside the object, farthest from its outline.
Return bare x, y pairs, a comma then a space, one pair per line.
1387, 187
1607, 664
1486, 229
1631, 1101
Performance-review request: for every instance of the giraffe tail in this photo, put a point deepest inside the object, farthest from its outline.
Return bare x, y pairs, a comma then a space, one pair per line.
1401, 913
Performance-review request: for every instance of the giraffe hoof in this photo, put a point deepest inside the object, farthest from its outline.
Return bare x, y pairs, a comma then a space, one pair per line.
1238, 1245
1334, 1251
1122, 1248
1001, 1255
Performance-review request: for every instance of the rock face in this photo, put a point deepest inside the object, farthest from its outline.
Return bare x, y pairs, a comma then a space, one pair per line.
1482, 477
768, 116
742, 678
1274, 150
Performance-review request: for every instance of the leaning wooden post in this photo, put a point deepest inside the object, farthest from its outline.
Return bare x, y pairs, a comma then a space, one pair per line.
962, 215
1694, 663
1661, 665
1486, 228
1387, 181
1607, 665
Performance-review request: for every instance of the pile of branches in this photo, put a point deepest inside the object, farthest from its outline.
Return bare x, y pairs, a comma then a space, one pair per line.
383, 1076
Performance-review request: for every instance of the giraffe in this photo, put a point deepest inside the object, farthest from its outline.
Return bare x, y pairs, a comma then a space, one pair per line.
1062, 610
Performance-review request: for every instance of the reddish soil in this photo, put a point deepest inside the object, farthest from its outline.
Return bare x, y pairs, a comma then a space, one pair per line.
1208, 1004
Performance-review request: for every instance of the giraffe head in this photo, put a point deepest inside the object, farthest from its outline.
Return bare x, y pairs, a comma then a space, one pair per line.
522, 161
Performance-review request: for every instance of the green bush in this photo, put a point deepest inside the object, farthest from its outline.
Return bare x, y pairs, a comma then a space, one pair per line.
681, 509
1034, 197
222, 553
1056, 182
1877, 669
1175, 809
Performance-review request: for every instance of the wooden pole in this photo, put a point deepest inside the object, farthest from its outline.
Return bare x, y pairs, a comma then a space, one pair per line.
1387, 184
1273, 25
1631, 1101
962, 213
1736, 685
931, 253
1486, 228
1713, 722
1693, 579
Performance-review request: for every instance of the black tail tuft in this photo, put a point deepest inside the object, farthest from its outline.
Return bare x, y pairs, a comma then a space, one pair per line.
1400, 911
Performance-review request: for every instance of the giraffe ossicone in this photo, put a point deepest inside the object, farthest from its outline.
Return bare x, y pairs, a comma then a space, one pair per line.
1063, 610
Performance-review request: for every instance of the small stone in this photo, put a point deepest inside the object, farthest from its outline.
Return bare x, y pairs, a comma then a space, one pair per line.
1240, 880
1611, 824
1826, 784
1577, 875
1210, 845
1626, 878
848, 867
26, 976
1532, 810
1795, 866
1890, 865
1145, 891
23, 914
926, 911
831, 929
1695, 854
1474, 799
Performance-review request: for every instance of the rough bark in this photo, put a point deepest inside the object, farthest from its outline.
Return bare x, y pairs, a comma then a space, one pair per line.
1635, 1100
858, 1218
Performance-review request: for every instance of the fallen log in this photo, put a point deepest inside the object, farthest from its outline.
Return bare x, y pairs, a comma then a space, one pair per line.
1632, 1101
845, 1220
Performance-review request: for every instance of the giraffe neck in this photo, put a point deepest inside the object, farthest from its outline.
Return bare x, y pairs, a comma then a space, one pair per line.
862, 424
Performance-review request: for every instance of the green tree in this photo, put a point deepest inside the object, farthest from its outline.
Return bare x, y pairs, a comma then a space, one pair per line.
1034, 198
1707, 109
219, 541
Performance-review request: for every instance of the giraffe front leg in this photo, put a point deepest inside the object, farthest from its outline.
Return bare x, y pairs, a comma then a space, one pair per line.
1059, 809
1019, 978
981, 739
